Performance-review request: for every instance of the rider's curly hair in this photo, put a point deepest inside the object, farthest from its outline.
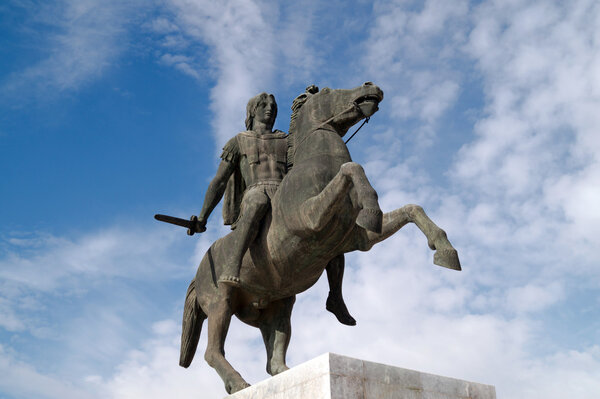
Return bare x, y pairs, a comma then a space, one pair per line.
251, 108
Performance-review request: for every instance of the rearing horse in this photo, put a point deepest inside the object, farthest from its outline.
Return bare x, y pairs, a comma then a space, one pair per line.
324, 207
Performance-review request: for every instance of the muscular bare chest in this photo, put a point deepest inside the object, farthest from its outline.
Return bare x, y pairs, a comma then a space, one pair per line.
262, 157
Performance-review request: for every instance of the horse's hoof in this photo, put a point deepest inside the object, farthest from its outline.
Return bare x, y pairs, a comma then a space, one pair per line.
447, 258
370, 219
232, 388
277, 369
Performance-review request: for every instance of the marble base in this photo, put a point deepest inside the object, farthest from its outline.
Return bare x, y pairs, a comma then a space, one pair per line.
332, 376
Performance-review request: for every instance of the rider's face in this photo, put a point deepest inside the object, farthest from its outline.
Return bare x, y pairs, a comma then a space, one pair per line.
265, 111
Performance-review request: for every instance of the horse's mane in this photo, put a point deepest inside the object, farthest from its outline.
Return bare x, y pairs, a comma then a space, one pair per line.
296, 105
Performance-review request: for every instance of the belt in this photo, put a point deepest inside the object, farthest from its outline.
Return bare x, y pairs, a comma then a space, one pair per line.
269, 182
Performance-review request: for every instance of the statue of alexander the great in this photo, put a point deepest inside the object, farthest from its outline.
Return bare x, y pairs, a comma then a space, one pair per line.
289, 225
253, 163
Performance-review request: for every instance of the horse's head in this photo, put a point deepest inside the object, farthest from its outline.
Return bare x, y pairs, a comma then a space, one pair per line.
338, 109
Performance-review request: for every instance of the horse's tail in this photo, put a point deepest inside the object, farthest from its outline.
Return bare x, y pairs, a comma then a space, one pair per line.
193, 317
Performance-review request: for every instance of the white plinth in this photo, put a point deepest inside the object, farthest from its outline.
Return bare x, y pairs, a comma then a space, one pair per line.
332, 376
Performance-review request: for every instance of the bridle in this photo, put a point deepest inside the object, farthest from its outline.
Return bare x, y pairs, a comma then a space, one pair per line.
325, 125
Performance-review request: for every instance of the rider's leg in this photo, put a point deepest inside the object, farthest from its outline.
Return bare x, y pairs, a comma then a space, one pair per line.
335, 301
254, 207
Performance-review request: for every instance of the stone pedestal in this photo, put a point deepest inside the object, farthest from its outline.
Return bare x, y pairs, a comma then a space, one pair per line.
332, 376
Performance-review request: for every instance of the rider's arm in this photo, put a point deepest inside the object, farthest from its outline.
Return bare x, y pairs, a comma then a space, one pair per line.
216, 189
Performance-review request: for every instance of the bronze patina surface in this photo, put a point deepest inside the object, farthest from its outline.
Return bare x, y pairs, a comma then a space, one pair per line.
297, 204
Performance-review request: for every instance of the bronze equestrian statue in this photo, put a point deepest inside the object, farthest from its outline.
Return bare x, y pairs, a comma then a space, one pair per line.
324, 207
253, 163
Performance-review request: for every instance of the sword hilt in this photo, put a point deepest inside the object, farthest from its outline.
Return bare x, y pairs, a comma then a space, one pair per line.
194, 220
197, 227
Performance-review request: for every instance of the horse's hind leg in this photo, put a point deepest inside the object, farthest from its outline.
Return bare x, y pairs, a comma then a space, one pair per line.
276, 330
219, 317
445, 254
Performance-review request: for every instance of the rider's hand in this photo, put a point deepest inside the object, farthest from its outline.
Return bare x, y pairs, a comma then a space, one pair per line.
200, 225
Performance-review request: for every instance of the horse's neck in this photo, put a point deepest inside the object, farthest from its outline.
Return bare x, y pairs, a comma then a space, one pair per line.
320, 140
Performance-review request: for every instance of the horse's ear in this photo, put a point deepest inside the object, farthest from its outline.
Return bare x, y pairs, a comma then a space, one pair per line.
312, 89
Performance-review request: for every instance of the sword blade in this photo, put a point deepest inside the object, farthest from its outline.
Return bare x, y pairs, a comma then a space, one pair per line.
177, 221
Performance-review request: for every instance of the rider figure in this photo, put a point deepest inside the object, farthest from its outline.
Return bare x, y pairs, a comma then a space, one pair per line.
253, 163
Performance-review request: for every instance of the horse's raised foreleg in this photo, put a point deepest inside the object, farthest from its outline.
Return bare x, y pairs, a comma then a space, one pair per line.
370, 216
445, 254
317, 211
276, 330
219, 316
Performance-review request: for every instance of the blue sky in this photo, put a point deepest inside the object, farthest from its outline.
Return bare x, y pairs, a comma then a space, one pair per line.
111, 112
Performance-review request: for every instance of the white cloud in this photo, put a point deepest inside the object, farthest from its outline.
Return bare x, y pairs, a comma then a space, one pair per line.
539, 75
68, 292
577, 196
48, 263
244, 46
534, 160
411, 52
81, 39
182, 63
521, 205
87, 301
21, 380
410, 314
572, 373
152, 371
8, 317
163, 25
521, 208
533, 298
242, 54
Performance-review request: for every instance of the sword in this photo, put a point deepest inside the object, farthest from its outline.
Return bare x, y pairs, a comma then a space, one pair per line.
192, 225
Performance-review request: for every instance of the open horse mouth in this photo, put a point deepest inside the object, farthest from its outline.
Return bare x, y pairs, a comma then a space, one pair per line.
368, 98
368, 104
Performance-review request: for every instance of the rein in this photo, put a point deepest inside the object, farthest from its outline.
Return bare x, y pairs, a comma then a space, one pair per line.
325, 126
353, 134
